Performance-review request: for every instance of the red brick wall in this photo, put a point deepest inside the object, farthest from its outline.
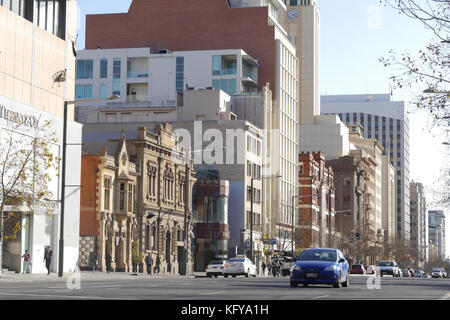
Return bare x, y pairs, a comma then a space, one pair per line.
180, 25
88, 206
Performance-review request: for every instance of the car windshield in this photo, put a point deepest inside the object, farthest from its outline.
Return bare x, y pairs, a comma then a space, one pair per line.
356, 266
386, 264
318, 255
236, 260
436, 270
216, 262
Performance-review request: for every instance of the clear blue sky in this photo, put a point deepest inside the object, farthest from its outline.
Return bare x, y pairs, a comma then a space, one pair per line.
354, 34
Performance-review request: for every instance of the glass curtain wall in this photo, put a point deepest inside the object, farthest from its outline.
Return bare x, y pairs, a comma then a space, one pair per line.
50, 15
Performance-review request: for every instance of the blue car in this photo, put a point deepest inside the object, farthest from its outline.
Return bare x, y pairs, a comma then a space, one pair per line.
320, 266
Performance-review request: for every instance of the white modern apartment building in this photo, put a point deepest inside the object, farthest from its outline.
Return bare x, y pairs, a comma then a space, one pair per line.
35, 44
147, 79
418, 214
436, 231
386, 121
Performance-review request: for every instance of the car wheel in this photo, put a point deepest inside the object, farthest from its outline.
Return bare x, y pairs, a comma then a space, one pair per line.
248, 272
338, 282
225, 275
305, 285
215, 276
345, 284
293, 284
234, 276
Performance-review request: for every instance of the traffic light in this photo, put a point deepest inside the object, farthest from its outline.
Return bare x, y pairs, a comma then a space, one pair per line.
357, 236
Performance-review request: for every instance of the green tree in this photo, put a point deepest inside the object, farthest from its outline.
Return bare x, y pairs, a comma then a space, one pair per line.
27, 166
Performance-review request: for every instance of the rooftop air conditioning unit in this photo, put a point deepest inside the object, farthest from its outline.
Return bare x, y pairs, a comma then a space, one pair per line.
164, 51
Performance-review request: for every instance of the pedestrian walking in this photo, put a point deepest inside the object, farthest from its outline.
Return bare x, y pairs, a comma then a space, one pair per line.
48, 258
93, 261
158, 262
269, 268
108, 262
149, 263
263, 269
26, 262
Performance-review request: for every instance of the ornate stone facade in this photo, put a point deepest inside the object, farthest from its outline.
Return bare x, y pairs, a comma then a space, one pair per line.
139, 203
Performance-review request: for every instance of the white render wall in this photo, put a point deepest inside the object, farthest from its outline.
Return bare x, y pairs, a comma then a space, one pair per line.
327, 134
37, 227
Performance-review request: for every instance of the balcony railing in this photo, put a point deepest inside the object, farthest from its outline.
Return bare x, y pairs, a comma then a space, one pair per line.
137, 74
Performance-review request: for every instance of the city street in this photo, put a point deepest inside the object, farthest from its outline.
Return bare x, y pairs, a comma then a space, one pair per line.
126, 287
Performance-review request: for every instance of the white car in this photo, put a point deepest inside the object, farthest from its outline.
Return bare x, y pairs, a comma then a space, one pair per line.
288, 264
389, 268
239, 266
215, 268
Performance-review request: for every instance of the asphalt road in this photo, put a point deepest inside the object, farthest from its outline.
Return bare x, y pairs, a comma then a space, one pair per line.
239, 288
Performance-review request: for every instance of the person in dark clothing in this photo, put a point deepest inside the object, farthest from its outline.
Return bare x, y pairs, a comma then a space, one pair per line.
48, 258
158, 262
108, 262
149, 263
93, 261
263, 268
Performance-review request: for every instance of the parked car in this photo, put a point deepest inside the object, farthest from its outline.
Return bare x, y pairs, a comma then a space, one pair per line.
436, 273
389, 268
320, 266
215, 268
405, 273
288, 264
371, 269
357, 269
239, 266
444, 273
411, 271
419, 274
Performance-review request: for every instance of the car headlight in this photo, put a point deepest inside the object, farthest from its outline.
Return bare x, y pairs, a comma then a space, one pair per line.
330, 268
297, 268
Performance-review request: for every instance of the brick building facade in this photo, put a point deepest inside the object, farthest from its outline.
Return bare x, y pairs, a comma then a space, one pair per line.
316, 202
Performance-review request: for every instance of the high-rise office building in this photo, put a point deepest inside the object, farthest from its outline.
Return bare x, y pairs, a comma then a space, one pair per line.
303, 27
37, 73
386, 121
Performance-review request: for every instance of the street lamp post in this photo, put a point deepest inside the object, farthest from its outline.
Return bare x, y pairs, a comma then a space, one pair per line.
63, 178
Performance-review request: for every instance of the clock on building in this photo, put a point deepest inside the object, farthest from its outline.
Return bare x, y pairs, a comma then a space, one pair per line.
293, 14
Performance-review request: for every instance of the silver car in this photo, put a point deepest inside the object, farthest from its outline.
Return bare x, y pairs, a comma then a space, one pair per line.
239, 266
436, 273
215, 268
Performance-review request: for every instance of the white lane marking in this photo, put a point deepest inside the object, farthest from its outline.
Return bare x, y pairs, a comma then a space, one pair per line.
208, 293
60, 296
319, 297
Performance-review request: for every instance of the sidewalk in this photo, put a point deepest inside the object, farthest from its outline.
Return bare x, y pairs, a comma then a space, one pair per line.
85, 275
